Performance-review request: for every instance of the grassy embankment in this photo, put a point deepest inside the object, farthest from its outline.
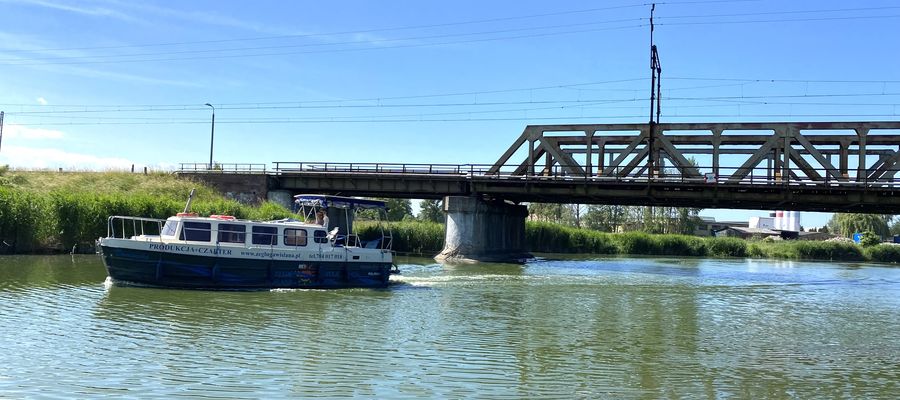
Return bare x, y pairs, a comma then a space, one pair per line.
54, 212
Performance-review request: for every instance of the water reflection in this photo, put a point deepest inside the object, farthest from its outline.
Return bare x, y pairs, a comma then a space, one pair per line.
568, 327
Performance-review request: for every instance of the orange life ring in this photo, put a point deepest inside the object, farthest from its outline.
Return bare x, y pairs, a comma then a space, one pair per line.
223, 217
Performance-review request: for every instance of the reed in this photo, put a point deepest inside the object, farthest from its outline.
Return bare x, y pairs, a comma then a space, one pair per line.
411, 237
53, 212
887, 253
546, 237
806, 250
725, 247
26, 223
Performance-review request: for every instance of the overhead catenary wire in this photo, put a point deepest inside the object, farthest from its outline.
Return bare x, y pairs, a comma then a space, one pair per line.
129, 58
523, 119
458, 104
387, 29
342, 102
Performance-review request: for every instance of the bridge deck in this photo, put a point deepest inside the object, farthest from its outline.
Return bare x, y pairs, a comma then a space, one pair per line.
779, 165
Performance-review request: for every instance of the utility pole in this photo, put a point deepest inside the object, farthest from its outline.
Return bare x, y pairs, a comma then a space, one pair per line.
212, 134
655, 99
1, 128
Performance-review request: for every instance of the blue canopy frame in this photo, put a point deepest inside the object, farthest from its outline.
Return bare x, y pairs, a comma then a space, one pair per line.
318, 200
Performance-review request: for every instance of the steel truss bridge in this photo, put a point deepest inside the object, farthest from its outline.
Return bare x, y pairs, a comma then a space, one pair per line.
809, 166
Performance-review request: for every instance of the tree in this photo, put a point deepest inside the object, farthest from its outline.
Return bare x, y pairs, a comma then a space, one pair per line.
431, 210
869, 239
895, 227
848, 224
397, 209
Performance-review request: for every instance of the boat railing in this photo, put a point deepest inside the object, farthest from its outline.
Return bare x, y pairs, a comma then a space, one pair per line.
124, 227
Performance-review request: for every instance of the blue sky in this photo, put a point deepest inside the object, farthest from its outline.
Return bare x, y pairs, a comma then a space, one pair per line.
104, 84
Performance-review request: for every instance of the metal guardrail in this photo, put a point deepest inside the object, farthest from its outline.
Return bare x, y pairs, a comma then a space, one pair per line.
671, 174
231, 168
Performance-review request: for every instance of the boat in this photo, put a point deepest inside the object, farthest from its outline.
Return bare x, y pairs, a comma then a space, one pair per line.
222, 252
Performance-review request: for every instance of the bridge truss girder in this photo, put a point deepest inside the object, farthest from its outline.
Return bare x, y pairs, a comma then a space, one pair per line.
792, 151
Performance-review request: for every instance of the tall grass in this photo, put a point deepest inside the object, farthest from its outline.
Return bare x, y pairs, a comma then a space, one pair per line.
34, 219
807, 250
413, 237
157, 184
26, 221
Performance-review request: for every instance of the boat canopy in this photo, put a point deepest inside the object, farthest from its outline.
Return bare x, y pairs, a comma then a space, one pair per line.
317, 200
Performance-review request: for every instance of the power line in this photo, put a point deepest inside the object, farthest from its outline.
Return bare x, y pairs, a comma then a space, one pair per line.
780, 20
365, 99
604, 105
29, 61
380, 99
781, 12
13, 61
786, 80
470, 104
309, 35
330, 50
420, 120
387, 29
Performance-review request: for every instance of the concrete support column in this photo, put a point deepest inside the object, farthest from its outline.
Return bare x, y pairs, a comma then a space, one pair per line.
483, 231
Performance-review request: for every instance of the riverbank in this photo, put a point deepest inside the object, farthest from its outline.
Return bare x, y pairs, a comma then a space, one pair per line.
52, 212
426, 238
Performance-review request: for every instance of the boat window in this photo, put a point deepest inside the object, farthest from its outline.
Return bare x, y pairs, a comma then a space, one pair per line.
320, 237
196, 231
232, 233
295, 237
169, 228
267, 235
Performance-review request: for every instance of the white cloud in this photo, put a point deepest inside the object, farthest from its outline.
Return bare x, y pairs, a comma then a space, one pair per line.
14, 131
95, 11
39, 48
40, 158
42, 101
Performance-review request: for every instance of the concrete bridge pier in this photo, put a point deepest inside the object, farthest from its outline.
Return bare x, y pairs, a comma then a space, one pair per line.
478, 230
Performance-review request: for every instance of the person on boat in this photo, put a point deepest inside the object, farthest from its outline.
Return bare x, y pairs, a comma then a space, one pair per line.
320, 218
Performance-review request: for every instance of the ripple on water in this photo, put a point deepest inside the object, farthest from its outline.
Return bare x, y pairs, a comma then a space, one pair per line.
576, 328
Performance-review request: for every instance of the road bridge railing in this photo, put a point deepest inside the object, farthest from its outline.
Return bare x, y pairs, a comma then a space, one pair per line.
726, 176
222, 168
382, 168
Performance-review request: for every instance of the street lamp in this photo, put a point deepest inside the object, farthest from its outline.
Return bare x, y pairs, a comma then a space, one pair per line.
212, 134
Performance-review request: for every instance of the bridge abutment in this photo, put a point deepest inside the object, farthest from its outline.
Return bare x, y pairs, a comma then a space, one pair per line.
478, 230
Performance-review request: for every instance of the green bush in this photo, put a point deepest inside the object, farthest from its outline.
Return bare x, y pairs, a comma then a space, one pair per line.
635, 243
726, 247
414, 237
869, 238
836, 251
545, 237
26, 222
888, 253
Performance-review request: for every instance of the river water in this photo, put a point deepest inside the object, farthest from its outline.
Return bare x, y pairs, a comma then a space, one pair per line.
553, 328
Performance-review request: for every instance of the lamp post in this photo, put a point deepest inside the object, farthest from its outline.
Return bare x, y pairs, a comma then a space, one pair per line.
212, 134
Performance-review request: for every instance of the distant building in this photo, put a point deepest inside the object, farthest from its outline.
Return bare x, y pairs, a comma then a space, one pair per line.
762, 233
708, 226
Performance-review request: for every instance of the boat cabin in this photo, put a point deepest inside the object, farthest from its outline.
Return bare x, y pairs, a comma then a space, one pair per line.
227, 230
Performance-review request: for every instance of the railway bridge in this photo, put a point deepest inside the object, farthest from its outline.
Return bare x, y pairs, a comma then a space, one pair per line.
803, 166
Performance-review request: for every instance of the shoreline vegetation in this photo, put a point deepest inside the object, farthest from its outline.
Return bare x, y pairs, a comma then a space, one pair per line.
50, 212
426, 238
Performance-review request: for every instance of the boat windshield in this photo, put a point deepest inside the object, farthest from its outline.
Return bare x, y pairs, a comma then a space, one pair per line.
169, 228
